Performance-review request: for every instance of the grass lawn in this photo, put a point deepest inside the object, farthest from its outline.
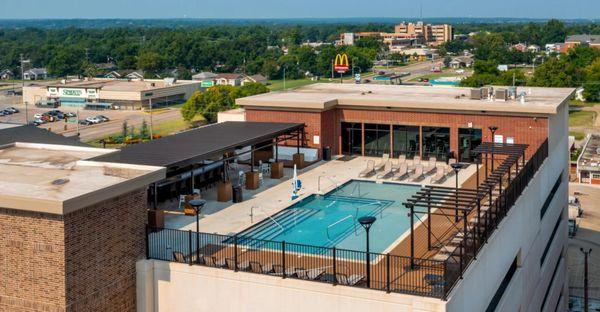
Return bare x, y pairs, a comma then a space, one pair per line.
577, 103
581, 118
277, 85
578, 135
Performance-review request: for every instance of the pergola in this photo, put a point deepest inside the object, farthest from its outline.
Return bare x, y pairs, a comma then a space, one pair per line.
460, 202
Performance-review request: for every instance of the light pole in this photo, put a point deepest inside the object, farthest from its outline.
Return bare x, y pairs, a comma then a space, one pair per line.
493, 130
283, 78
586, 254
456, 167
197, 204
366, 223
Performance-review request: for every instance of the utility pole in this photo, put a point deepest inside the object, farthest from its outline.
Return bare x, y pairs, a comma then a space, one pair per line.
586, 254
283, 78
150, 104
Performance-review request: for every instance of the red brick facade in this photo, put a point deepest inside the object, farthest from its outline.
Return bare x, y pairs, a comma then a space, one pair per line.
327, 124
82, 261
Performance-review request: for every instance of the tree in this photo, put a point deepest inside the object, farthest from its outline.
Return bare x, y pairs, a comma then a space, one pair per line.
149, 61
191, 106
447, 61
124, 129
553, 73
554, 31
591, 88
144, 132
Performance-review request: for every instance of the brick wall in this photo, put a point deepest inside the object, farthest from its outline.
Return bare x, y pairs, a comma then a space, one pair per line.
527, 130
83, 261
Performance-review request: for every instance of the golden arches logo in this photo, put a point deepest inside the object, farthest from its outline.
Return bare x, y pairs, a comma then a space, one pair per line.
341, 63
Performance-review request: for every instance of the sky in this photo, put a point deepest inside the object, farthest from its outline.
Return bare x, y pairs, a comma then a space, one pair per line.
566, 9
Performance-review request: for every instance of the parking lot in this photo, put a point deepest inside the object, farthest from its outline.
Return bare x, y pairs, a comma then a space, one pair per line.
87, 132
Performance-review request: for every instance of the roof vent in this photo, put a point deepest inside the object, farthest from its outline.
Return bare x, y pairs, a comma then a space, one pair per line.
60, 181
476, 94
501, 94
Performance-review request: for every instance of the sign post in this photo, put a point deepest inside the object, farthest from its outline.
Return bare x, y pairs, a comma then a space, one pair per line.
341, 65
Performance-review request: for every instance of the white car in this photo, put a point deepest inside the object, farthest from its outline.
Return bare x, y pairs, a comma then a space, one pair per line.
37, 116
94, 120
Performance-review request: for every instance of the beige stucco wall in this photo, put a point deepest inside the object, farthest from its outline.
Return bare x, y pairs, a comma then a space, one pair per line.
178, 287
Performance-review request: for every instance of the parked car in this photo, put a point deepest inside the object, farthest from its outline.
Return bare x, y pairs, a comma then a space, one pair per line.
85, 122
2, 113
70, 115
7, 112
37, 116
12, 109
94, 120
36, 122
103, 118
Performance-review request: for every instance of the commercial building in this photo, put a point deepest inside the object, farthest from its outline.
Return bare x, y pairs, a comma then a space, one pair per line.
112, 93
71, 229
571, 42
496, 241
588, 163
405, 34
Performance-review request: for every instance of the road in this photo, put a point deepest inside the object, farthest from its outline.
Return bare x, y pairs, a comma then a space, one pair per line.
92, 132
415, 70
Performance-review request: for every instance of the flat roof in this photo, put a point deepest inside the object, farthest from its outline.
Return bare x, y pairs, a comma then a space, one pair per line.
107, 84
323, 96
10, 133
200, 144
59, 179
590, 156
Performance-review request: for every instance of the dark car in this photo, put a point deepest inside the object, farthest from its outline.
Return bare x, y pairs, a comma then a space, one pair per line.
85, 122
103, 118
12, 109
7, 112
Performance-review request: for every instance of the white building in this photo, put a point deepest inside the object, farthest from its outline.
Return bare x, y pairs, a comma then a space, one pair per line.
35, 74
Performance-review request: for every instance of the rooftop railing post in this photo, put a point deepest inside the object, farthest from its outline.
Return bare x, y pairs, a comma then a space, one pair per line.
412, 236
283, 258
334, 265
147, 241
478, 218
235, 252
465, 229
460, 250
298, 142
428, 219
190, 260
387, 273
486, 166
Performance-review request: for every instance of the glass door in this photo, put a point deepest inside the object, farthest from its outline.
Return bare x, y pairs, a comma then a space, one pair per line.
468, 139
351, 138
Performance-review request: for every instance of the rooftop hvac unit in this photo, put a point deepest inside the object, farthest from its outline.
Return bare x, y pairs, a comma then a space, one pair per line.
486, 92
475, 94
512, 93
501, 94
169, 81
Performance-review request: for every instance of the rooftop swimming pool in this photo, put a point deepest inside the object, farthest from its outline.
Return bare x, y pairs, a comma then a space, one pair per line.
331, 220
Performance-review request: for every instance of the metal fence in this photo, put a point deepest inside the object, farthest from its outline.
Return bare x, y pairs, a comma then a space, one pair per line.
385, 272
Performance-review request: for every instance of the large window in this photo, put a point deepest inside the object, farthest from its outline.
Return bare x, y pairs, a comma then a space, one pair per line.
551, 196
406, 141
351, 138
502, 287
468, 139
436, 142
550, 240
377, 139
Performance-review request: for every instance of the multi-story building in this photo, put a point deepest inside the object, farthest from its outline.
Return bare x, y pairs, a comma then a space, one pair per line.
571, 42
588, 163
406, 34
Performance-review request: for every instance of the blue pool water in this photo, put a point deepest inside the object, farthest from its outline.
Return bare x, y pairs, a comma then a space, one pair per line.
332, 220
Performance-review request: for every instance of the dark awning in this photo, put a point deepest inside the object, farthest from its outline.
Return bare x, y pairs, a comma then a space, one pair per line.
32, 134
200, 144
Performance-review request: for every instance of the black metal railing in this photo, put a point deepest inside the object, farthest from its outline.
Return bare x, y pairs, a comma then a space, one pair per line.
387, 272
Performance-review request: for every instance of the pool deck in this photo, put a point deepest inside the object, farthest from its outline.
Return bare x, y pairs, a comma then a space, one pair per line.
229, 218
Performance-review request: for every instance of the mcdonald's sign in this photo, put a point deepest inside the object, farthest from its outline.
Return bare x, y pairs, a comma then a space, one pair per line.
341, 64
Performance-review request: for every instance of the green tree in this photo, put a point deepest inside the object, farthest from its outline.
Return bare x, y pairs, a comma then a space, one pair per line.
144, 131
149, 61
124, 129
191, 106
591, 88
553, 73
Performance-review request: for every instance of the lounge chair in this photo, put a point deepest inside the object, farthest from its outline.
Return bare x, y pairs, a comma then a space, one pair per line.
352, 280
402, 172
440, 175
417, 175
311, 274
242, 266
213, 262
387, 170
259, 268
178, 256
278, 270
430, 167
368, 171
415, 162
401, 160
384, 160
433, 279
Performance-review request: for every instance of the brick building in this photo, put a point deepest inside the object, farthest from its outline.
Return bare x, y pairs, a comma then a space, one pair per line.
372, 120
71, 230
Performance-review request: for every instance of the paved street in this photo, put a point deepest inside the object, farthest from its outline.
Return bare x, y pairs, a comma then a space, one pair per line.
92, 132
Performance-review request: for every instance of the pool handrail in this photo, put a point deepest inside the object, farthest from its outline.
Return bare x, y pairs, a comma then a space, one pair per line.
339, 221
373, 203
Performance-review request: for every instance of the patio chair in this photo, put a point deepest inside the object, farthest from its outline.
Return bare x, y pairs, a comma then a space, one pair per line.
387, 170
256, 267
415, 162
402, 172
417, 175
311, 274
352, 280
242, 266
278, 270
178, 256
368, 171
433, 279
401, 160
431, 166
384, 159
213, 262
440, 175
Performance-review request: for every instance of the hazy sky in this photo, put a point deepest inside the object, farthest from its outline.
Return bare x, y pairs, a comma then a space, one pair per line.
296, 8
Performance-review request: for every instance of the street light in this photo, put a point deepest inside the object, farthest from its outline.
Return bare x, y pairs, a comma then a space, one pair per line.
493, 129
456, 167
586, 254
366, 223
197, 204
